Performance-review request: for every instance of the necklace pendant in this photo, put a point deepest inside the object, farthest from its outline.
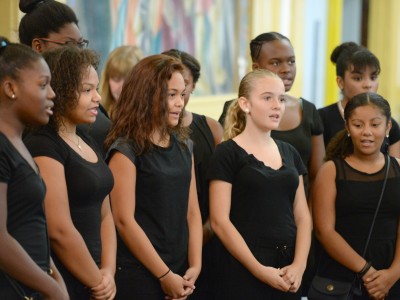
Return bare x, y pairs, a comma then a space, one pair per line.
80, 148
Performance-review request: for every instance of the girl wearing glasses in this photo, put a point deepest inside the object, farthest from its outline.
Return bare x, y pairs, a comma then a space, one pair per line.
50, 24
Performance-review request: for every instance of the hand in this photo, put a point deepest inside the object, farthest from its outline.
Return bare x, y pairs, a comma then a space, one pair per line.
106, 289
175, 286
56, 293
293, 274
378, 283
273, 277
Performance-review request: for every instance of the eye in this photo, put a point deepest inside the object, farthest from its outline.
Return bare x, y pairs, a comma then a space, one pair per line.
171, 95
374, 77
292, 62
282, 99
357, 78
267, 98
275, 63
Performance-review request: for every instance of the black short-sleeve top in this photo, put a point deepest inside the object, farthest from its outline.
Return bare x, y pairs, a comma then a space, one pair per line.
163, 178
87, 183
26, 221
262, 198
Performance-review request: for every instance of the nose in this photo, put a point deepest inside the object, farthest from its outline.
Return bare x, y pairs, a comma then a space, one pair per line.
367, 84
285, 68
96, 97
367, 130
50, 93
277, 104
180, 101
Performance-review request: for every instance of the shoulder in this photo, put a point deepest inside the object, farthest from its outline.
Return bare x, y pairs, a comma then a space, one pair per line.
45, 142
328, 109
124, 146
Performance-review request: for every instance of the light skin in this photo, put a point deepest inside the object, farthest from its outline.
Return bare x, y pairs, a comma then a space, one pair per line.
68, 33
65, 239
124, 202
278, 56
264, 109
367, 127
25, 100
356, 82
116, 83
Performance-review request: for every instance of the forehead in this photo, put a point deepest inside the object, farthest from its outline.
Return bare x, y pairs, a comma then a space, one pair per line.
69, 31
37, 68
176, 81
276, 49
366, 69
369, 111
268, 84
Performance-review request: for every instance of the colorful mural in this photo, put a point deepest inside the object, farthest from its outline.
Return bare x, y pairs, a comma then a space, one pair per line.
214, 31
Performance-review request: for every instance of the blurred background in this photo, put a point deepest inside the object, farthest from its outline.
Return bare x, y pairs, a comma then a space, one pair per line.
218, 32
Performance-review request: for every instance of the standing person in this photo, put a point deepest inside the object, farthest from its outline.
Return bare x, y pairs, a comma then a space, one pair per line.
154, 199
301, 125
120, 61
25, 100
357, 71
205, 133
345, 197
258, 207
78, 181
49, 24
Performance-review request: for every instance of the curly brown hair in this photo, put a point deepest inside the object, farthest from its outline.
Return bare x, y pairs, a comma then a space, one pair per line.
68, 66
142, 107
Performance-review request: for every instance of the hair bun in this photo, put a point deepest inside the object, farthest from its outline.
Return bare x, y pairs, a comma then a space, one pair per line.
27, 6
344, 47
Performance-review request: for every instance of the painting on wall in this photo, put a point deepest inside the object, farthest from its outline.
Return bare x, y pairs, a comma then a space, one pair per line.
214, 31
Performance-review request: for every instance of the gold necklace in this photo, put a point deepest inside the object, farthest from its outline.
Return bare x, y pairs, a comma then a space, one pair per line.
77, 138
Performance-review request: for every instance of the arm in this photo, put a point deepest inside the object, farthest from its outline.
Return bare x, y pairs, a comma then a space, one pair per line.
108, 253
302, 218
216, 130
324, 215
220, 205
66, 241
15, 262
123, 202
195, 233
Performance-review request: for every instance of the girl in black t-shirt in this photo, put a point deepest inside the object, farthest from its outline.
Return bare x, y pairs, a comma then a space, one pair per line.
81, 226
154, 200
258, 207
25, 99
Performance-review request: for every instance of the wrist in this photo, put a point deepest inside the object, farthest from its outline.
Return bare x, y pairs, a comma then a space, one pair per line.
364, 270
164, 275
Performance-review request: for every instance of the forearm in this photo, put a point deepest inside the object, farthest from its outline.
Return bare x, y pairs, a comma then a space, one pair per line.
15, 262
108, 244
303, 242
140, 246
236, 245
195, 239
71, 250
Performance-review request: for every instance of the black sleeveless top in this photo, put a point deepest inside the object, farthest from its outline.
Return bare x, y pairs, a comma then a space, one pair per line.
203, 148
356, 201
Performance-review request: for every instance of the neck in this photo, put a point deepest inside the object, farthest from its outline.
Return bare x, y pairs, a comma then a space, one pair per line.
67, 128
369, 159
255, 135
10, 125
158, 139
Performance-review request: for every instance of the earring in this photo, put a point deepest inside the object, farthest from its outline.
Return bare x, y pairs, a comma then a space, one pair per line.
348, 134
246, 110
387, 136
13, 96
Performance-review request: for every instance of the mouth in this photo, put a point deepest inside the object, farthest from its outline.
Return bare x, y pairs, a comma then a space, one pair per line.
176, 114
275, 117
366, 142
49, 108
94, 110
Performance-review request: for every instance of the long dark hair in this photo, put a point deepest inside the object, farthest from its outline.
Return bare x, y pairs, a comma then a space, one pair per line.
142, 107
341, 145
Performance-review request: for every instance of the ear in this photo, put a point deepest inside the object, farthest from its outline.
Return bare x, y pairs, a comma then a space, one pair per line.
346, 126
255, 66
388, 127
9, 88
244, 104
37, 45
340, 82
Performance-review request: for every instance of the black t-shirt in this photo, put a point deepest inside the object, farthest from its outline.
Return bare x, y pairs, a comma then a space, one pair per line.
26, 221
87, 183
262, 198
162, 191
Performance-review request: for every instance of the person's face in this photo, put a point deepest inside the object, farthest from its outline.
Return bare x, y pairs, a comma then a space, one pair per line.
176, 90
266, 103
278, 57
190, 85
69, 34
358, 81
368, 127
33, 94
87, 109
115, 83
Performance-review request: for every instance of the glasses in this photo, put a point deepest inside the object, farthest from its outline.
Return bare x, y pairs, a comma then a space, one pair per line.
81, 44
